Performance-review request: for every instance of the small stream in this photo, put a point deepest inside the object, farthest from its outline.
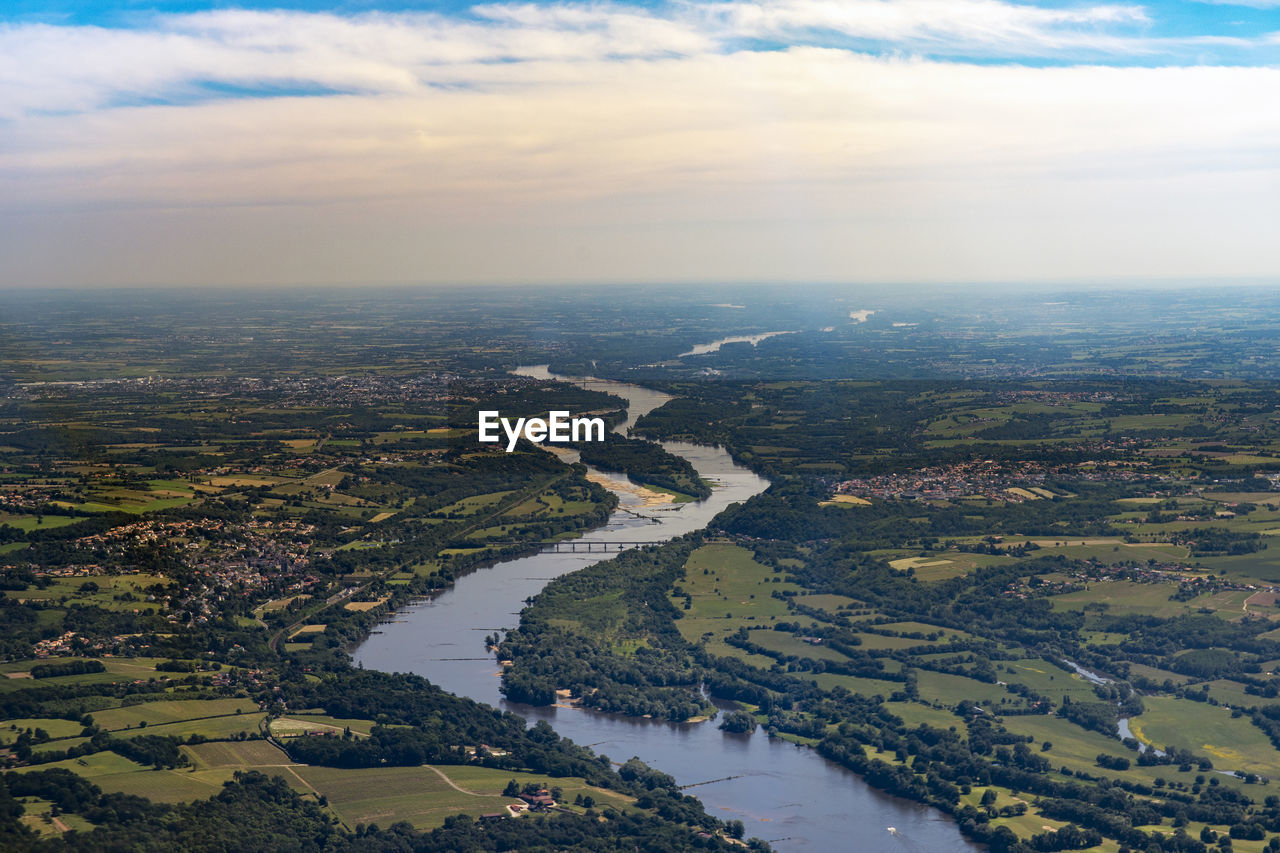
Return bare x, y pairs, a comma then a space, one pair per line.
1123, 723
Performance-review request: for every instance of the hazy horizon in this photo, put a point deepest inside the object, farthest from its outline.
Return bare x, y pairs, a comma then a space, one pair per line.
1137, 285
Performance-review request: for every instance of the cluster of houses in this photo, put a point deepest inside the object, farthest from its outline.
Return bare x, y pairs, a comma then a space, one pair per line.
284, 390
226, 561
63, 644
476, 753
1191, 583
1053, 398
976, 478
75, 643
1009, 480
30, 498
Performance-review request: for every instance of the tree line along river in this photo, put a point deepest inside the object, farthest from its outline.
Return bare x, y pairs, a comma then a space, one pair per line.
785, 794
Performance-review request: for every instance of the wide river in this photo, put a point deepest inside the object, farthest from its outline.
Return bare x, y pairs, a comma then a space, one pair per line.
785, 794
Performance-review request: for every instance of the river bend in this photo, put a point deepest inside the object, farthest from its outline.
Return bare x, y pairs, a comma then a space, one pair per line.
785, 794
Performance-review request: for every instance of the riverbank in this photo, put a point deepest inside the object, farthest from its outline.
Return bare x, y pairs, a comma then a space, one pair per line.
648, 498
788, 795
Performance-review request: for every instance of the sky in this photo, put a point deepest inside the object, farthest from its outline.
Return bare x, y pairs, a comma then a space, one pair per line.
201, 144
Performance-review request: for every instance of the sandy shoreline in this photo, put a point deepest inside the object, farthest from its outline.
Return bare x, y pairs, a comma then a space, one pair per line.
616, 482
649, 498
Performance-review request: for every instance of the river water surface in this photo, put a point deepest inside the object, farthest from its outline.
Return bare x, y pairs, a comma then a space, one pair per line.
714, 346
785, 794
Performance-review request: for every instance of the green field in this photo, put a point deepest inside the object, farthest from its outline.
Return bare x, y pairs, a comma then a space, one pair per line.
117, 670
789, 644
295, 724
878, 641
167, 712
941, 566
728, 588
1158, 675
1263, 565
1046, 679
213, 727
923, 628
249, 753
1112, 550
1229, 692
829, 603
115, 774
27, 523
1078, 748
913, 714
854, 684
1102, 638
1123, 597
109, 586
950, 689
474, 505
10, 729
1231, 743
720, 648
421, 796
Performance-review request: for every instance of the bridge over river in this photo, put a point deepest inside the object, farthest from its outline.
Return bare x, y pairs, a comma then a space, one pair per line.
586, 546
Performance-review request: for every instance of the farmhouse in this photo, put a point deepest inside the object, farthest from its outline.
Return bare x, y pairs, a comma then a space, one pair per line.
540, 801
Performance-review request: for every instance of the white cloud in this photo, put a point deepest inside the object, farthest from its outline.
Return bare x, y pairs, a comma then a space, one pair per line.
55, 68
545, 142
958, 25
602, 127
1252, 4
48, 68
